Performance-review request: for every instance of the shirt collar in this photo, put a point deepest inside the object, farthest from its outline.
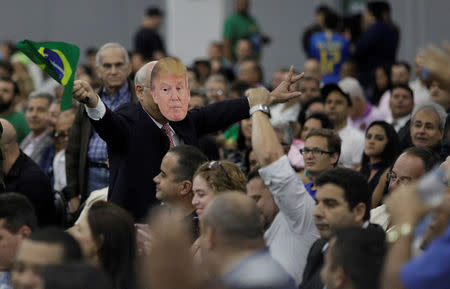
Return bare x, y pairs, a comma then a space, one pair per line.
155, 121
122, 91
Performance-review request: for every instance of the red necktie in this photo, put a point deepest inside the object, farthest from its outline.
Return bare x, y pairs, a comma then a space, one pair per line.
168, 132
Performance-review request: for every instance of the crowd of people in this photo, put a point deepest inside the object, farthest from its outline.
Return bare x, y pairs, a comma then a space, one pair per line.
161, 176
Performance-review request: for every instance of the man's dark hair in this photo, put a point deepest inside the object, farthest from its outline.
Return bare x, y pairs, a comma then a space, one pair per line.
377, 9
75, 276
91, 51
235, 217
198, 92
15, 86
404, 86
331, 20
240, 87
302, 115
322, 9
427, 155
353, 183
334, 142
404, 64
309, 78
17, 211
324, 120
55, 236
7, 66
154, 11
331, 87
360, 253
253, 174
189, 159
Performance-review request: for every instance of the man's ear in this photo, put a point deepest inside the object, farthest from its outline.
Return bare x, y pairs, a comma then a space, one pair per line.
334, 158
140, 92
359, 211
211, 237
24, 231
184, 187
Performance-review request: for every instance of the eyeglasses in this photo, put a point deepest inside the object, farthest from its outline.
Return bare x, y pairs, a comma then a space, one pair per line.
392, 178
58, 134
214, 164
315, 152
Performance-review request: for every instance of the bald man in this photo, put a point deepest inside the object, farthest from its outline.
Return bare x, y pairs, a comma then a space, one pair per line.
233, 244
24, 176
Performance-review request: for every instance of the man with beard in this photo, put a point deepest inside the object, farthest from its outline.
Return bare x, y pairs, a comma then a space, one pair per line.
8, 91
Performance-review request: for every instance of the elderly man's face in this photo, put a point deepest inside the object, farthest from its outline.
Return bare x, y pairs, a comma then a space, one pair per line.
425, 131
113, 70
171, 94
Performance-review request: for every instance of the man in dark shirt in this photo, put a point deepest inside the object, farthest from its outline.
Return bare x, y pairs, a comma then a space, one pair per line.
342, 200
147, 40
24, 176
174, 182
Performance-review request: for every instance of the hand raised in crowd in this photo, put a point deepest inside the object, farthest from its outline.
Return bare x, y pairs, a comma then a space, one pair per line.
404, 205
257, 96
284, 91
437, 61
81, 90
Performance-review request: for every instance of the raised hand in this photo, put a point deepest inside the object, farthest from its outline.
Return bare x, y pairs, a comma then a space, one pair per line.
284, 91
83, 92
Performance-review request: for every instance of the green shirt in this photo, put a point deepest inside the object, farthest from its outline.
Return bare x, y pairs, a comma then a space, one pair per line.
238, 26
18, 121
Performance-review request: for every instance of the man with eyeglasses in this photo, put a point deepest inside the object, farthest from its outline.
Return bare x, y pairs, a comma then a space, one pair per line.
86, 152
53, 161
409, 167
321, 152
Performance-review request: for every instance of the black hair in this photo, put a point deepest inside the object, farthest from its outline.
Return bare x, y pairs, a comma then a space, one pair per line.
322, 9
189, 159
331, 20
360, 253
324, 120
75, 276
390, 152
353, 183
114, 228
331, 87
7, 66
377, 9
404, 86
14, 83
253, 174
240, 87
302, 115
154, 11
404, 64
52, 235
17, 211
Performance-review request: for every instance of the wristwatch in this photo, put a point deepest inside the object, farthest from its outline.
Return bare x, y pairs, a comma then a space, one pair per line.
260, 107
401, 230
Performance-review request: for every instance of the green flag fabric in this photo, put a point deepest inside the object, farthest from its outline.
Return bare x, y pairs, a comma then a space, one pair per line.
58, 59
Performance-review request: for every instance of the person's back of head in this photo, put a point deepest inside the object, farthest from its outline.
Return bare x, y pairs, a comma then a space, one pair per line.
236, 221
355, 259
74, 276
377, 9
71, 250
113, 227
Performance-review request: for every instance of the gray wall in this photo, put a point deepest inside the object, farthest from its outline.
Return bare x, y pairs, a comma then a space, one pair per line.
93, 22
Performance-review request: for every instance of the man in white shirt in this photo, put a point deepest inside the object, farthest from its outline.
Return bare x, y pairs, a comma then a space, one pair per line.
285, 204
338, 106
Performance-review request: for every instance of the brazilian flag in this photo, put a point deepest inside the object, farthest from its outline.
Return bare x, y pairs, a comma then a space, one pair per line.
58, 59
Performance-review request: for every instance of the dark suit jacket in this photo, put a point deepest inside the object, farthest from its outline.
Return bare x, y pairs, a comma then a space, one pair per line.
27, 178
77, 150
136, 146
314, 263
